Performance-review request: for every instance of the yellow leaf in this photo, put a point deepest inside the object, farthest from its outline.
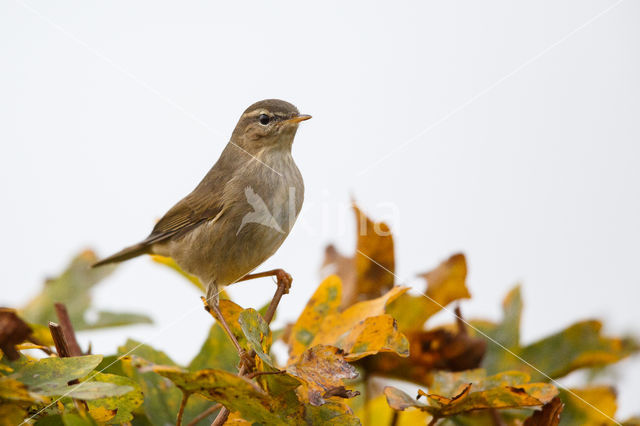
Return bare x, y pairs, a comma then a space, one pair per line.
325, 301
374, 335
445, 284
592, 406
336, 325
167, 261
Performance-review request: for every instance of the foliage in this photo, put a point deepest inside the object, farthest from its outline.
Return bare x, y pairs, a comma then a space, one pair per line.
359, 330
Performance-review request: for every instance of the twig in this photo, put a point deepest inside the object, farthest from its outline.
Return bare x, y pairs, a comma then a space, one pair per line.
433, 421
263, 373
394, 418
59, 340
40, 345
204, 414
462, 327
183, 403
497, 419
284, 283
67, 329
62, 347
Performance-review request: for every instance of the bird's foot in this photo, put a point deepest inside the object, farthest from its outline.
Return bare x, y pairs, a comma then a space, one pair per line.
247, 362
284, 280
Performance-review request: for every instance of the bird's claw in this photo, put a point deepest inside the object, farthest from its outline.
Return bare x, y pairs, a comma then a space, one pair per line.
284, 280
246, 361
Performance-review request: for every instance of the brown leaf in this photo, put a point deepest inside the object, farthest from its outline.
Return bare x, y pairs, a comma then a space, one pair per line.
438, 349
323, 370
341, 392
13, 331
370, 272
548, 416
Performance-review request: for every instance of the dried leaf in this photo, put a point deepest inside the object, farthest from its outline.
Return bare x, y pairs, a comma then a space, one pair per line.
456, 393
322, 369
370, 273
549, 415
12, 332
438, 349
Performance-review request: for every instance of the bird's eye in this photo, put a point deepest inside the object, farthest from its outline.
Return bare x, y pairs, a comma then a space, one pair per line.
263, 119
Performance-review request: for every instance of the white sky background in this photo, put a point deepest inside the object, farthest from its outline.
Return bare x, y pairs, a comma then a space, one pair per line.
112, 111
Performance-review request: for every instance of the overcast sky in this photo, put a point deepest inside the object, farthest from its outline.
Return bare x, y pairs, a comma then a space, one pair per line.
506, 130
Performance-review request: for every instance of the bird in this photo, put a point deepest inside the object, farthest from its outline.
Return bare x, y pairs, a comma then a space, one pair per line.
242, 210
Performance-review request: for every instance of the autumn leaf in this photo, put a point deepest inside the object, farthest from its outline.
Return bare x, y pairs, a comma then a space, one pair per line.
121, 406
581, 345
457, 393
161, 398
170, 263
72, 288
591, 406
336, 324
236, 393
49, 376
323, 369
445, 284
549, 415
13, 331
325, 301
370, 272
438, 349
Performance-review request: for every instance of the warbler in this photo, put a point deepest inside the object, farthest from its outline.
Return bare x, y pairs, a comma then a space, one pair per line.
241, 211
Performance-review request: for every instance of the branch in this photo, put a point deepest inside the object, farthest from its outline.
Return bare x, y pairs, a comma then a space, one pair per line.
183, 404
284, 283
62, 347
204, 414
67, 329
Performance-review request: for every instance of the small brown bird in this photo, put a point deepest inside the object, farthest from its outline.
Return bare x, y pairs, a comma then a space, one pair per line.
242, 210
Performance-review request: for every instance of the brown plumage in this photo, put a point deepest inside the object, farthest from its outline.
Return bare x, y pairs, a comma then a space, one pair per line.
207, 232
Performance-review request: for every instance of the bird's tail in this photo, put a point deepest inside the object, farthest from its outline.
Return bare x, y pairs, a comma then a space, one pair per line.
125, 254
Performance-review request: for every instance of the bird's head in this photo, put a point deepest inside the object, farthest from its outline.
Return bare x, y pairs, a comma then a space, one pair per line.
271, 123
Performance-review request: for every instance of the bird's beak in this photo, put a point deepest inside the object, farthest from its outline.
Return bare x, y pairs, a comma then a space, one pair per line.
298, 118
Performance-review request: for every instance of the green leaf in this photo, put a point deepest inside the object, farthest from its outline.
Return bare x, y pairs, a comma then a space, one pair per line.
217, 352
161, 398
124, 404
72, 288
237, 394
581, 345
49, 375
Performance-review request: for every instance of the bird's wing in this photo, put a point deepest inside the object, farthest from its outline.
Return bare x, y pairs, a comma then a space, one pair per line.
200, 206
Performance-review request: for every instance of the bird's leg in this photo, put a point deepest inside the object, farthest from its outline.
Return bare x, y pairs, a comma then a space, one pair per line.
246, 361
284, 281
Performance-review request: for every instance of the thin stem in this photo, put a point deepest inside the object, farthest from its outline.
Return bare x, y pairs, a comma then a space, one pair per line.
183, 404
284, 283
204, 414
